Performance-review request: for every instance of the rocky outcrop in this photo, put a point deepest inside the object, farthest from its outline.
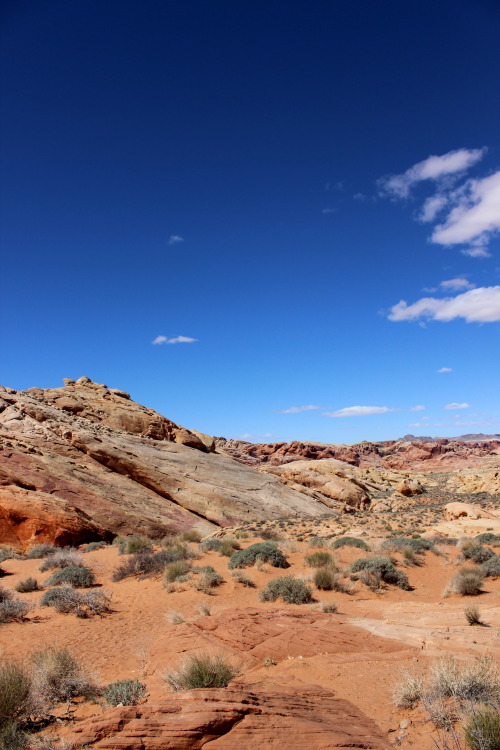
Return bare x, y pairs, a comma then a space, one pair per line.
98, 464
279, 718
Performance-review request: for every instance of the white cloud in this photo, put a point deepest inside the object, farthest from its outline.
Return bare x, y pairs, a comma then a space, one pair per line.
175, 239
432, 207
174, 340
328, 210
457, 406
480, 305
475, 216
358, 411
298, 409
456, 285
432, 168
445, 369
418, 408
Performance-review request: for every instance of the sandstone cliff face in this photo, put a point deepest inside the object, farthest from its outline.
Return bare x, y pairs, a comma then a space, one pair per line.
85, 461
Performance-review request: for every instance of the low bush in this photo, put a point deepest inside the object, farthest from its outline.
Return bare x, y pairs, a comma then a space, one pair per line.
324, 579
475, 681
491, 568
264, 551
67, 600
7, 553
15, 688
12, 609
472, 615
74, 575
124, 692
229, 547
208, 578
191, 536
330, 608
202, 671
401, 544
467, 582
211, 545
409, 689
349, 541
176, 569
477, 553
93, 546
244, 580
383, 569
151, 563
131, 545
488, 538
482, 729
58, 676
318, 559
61, 559
26, 585
291, 590
40, 550
317, 541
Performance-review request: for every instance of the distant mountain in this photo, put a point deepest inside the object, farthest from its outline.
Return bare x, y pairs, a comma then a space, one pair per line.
471, 437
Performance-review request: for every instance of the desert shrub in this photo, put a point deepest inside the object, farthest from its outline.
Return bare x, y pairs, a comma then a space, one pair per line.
67, 600
350, 541
77, 576
229, 547
264, 551
12, 609
324, 579
208, 578
475, 681
191, 536
26, 585
402, 543
477, 553
151, 563
202, 671
291, 590
472, 615
93, 546
126, 692
487, 538
7, 553
40, 550
176, 569
269, 535
15, 688
383, 569
330, 608
211, 545
467, 582
318, 559
132, 544
408, 690
443, 541
482, 729
61, 559
58, 676
243, 579
317, 541
491, 568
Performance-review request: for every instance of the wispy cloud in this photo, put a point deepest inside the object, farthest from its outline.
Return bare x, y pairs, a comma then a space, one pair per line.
175, 239
445, 369
480, 305
358, 411
456, 406
328, 210
298, 409
418, 408
456, 285
433, 168
173, 340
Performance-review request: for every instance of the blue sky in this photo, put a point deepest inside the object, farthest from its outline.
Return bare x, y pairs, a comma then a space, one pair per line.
298, 202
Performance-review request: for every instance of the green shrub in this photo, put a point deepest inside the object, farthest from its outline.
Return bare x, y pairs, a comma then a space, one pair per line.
243, 579
176, 569
132, 544
318, 559
208, 579
477, 553
12, 609
383, 569
265, 551
487, 538
40, 550
93, 546
482, 729
324, 579
58, 676
229, 547
15, 687
126, 692
491, 568
211, 545
74, 575
7, 553
402, 543
467, 582
202, 671
191, 536
151, 563
349, 541
291, 590
28, 584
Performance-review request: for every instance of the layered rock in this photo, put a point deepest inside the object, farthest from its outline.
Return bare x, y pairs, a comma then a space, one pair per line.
97, 464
